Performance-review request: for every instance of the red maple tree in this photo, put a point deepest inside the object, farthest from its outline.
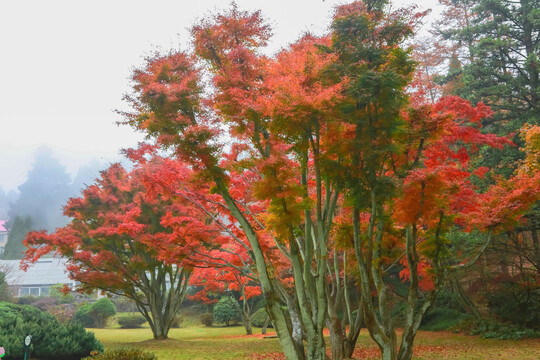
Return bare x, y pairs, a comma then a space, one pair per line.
111, 239
338, 159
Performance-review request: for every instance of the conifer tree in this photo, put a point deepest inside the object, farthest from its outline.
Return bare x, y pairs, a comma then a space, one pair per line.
14, 247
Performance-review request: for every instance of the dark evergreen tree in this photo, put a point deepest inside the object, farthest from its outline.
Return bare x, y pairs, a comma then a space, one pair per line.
226, 311
505, 70
44, 192
452, 83
6, 198
498, 42
14, 247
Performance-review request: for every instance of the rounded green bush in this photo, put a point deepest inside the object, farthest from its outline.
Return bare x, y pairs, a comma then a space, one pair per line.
226, 310
131, 321
83, 316
102, 310
50, 339
207, 319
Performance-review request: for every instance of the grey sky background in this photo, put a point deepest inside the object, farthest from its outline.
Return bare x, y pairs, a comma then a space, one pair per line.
65, 64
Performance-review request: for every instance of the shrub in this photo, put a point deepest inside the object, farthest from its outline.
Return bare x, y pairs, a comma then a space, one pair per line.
63, 312
191, 315
57, 292
493, 329
124, 304
5, 292
523, 309
177, 321
101, 311
126, 353
259, 317
131, 321
96, 314
207, 319
50, 339
447, 311
45, 303
84, 317
226, 311
449, 300
27, 300
398, 313
438, 319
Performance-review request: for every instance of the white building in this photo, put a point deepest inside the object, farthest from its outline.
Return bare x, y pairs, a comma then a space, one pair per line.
38, 278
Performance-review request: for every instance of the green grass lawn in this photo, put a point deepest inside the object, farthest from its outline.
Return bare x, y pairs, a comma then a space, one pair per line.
202, 343
192, 342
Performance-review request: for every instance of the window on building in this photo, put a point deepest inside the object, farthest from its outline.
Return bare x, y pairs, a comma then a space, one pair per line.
34, 291
24, 291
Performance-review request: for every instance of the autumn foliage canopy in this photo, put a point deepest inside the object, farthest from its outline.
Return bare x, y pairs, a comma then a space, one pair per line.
313, 172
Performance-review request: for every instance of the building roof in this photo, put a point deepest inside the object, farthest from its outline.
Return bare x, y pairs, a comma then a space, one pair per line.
49, 271
2, 225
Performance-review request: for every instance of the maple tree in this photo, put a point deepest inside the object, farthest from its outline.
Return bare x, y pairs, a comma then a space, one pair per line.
224, 264
531, 137
228, 45
231, 284
513, 258
400, 165
227, 274
437, 53
330, 167
498, 65
429, 56
168, 109
109, 241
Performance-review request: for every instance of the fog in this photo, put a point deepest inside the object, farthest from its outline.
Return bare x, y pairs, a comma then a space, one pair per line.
65, 66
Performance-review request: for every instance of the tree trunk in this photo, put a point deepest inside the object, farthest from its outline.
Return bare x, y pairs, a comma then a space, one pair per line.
465, 299
414, 318
337, 337
354, 332
350, 344
406, 351
388, 351
245, 310
246, 320
407, 342
292, 349
160, 330
160, 334
160, 305
536, 246
265, 325
531, 51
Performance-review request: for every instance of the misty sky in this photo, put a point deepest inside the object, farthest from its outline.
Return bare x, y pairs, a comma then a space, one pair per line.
65, 64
